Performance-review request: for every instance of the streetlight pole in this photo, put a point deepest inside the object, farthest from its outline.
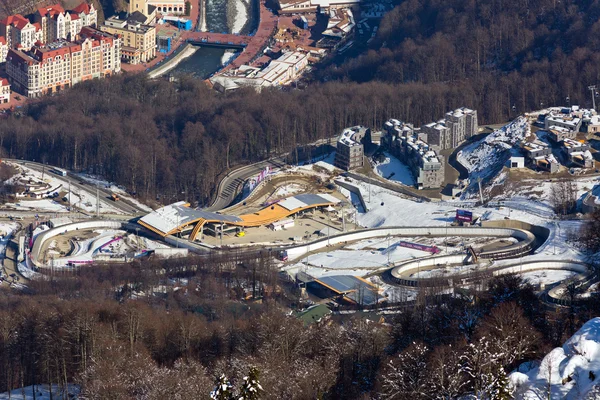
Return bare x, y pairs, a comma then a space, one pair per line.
388, 249
446, 238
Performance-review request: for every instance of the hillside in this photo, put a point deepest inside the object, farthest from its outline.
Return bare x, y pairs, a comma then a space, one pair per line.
501, 54
569, 372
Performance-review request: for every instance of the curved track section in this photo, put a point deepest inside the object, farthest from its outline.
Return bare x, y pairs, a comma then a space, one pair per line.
33, 258
558, 294
524, 245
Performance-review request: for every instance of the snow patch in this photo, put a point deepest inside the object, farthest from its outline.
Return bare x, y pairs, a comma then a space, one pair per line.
486, 157
394, 170
570, 372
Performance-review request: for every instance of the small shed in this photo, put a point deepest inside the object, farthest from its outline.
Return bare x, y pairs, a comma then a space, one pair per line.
283, 224
516, 162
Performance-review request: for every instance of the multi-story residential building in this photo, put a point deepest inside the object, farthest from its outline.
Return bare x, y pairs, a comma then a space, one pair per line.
425, 164
564, 119
49, 24
408, 144
559, 133
578, 153
138, 40
350, 149
57, 23
539, 155
61, 64
3, 49
4, 90
20, 32
87, 13
456, 127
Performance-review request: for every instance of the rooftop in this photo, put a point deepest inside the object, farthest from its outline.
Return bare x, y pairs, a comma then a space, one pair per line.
348, 136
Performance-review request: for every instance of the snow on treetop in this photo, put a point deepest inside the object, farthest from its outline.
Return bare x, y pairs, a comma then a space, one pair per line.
585, 341
569, 372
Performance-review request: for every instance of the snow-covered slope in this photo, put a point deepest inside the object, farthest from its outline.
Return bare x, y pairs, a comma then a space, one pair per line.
569, 372
485, 158
42, 392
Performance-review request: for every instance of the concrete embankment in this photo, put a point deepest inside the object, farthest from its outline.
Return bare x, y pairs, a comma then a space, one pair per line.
186, 52
202, 25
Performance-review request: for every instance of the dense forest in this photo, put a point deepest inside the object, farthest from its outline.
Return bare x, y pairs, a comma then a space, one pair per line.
167, 329
159, 138
125, 332
500, 53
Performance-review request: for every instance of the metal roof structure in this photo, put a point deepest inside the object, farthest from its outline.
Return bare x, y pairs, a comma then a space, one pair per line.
352, 287
174, 217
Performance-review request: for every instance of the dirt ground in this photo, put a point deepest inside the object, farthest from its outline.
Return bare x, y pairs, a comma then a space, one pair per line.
64, 243
306, 226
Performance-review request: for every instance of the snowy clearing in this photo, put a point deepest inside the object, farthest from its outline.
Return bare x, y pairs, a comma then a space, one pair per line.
79, 198
42, 392
546, 277
394, 170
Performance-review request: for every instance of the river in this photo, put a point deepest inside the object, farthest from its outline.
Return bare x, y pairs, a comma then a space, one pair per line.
201, 64
207, 60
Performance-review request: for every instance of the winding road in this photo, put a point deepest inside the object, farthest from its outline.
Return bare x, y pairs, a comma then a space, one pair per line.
122, 205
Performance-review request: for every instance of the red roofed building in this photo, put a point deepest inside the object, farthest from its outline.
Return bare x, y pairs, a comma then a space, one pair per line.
56, 23
87, 13
3, 49
61, 64
4, 90
19, 31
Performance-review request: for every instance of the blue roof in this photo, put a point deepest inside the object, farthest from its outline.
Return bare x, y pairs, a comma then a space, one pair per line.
352, 287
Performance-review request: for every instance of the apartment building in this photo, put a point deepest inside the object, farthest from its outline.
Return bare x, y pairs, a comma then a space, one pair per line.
3, 49
57, 23
19, 32
87, 13
409, 145
49, 24
578, 153
4, 91
138, 39
563, 119
559, 133
539, 155
61, 64
350, 151
451, 131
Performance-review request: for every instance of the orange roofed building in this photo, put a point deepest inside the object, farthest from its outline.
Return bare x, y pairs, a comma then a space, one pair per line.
4, 91
20, 32
3, 49
56, 23
62, 64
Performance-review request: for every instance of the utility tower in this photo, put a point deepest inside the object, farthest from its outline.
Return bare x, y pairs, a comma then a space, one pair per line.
592, 88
